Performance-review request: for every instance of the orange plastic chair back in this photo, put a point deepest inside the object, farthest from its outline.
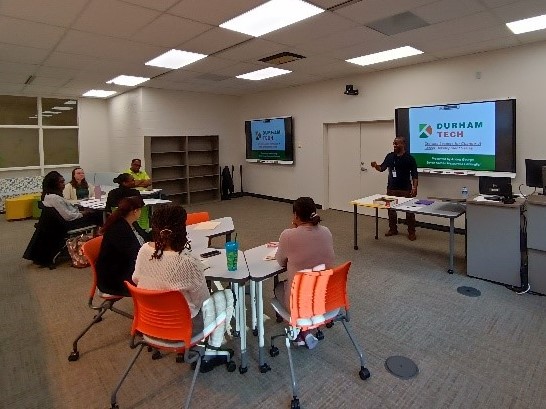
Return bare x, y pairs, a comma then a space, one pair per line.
197, 217
162, 314
317, 292
91, 249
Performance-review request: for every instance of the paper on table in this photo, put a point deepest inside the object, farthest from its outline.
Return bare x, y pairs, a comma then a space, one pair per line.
206, 225
271, 255
408, 207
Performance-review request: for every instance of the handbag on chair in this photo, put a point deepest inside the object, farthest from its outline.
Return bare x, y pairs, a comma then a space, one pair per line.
74, 246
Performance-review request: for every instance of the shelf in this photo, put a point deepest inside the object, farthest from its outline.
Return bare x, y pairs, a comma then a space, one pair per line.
204, 164
168, 166
204, 176
168, 179
202, 150
164, 152
203, 190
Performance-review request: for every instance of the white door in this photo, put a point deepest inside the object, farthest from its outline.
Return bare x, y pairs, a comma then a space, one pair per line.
351, 149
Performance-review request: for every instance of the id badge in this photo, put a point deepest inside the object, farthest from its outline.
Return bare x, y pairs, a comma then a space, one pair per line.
394, 173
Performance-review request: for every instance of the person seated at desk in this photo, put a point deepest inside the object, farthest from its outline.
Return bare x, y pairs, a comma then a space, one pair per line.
52, 196
122, 239
142, 180
165, 264
78, 188
126, 188
304, 246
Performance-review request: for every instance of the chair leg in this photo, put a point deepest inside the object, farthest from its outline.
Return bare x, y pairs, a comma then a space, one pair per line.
75, 354
364, 372
195, 373
292, 374
113, 398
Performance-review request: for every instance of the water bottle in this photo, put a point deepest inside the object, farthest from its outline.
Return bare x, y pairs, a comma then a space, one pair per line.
232, 250
464, 192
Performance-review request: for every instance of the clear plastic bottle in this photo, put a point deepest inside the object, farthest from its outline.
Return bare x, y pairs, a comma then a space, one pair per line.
464, 192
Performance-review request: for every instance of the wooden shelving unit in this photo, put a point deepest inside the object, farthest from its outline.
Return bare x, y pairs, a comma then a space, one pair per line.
185, 167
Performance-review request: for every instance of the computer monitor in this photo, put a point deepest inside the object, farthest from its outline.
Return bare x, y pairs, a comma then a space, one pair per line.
498, 186
533, 173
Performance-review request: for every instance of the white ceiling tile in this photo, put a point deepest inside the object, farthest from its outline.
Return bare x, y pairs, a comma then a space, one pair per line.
371, 10
239, 69
252, 50
214, 40
41, 90
179, 75
29, 34
214, 12
95, 45
447, 10
498, 3
10, 67
16, 53
521, 10
477, 47
160, 5
10, 89
349, 37
321, 25
210, 64
14, 77
48, 81
325, 4
54, 72
170, 31
114, 18
55, 12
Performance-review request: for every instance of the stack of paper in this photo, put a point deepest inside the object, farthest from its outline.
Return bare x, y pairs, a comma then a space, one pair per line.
206, 225
271, 255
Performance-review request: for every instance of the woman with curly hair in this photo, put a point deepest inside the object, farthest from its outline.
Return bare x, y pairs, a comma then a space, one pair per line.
166, 264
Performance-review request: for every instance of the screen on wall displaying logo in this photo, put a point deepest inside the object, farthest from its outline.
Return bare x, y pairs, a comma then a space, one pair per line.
270, 140
477, 136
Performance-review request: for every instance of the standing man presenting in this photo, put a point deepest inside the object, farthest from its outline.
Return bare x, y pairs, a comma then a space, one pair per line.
142, 180
402, 182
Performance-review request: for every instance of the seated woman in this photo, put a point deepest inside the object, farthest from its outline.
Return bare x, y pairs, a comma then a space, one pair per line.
165, 264
126, 189
52, 196
303, 247
121, 241
78, 188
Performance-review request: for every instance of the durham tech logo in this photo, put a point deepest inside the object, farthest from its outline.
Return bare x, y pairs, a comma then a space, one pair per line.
425, 130
258, 136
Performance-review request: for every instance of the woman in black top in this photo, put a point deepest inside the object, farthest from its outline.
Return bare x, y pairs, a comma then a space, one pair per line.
121, 242
126, 189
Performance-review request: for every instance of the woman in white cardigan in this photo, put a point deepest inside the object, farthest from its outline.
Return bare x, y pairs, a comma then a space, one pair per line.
78, 188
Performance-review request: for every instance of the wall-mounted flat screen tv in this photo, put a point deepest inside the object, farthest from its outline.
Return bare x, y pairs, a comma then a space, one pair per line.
270, 140
470, 136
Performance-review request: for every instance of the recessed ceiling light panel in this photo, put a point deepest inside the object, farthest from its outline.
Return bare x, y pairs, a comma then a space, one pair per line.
127, 80
99, 93
63, 108
175, 59
527, 25
271, 16
383, 56
263, 74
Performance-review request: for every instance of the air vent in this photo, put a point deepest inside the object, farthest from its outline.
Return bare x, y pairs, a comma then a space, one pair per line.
399, 23
281, 58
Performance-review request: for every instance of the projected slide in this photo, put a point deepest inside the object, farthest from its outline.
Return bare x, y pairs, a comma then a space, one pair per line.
268, 135
457, 136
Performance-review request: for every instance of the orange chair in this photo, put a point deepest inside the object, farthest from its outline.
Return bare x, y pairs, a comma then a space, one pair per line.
316, 298
197, 217
163, 321
91, 250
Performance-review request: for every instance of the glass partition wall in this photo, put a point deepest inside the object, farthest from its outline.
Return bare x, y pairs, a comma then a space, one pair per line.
37, 134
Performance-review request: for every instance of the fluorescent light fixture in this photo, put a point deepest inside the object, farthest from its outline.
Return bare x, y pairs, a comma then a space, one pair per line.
263, 74
127, 80
99, 93
71, 102
528, 24
47, 116
383, 56
63, 108
175, 59
33, 117
50, 112
271, 16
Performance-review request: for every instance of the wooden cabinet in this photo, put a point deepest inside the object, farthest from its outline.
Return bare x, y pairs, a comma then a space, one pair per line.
185, 167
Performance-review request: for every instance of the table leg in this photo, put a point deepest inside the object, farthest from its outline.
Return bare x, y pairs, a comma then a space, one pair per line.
355, 224
376, 223
264, 367
451, 243
241, 325
253, 301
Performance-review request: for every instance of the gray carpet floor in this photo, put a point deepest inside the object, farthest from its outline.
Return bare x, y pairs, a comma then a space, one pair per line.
484, 352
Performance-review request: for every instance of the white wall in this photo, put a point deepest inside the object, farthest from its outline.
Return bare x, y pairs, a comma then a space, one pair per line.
94, 135
516, 72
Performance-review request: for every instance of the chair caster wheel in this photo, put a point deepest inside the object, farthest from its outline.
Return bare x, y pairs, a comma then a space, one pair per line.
97, 319
295, 404
255, 332
74, 356
364, 373
180, 358
329, 325
114, 406
156, 355
278, 318
273, 352
265, 368
319, 335
231, 366
243, 370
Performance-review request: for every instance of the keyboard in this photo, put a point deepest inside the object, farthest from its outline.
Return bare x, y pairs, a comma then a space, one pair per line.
494, 198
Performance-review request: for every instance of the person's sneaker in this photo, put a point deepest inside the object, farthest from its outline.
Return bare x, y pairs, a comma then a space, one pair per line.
311, 341
299, 341
412, 236
391, 233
